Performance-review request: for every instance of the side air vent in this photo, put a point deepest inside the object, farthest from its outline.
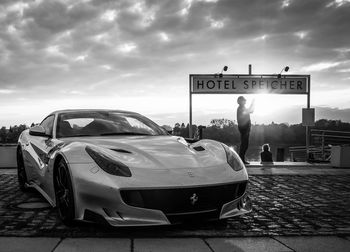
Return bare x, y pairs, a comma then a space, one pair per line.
199, 148
122, 151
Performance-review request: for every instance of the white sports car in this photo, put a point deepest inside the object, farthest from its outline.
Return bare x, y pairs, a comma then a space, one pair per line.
121, 168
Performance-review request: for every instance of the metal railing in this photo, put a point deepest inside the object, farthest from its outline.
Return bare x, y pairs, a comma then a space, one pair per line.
320, 150
8, 144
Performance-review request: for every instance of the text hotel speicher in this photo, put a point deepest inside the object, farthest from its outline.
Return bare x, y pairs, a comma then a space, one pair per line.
249, 85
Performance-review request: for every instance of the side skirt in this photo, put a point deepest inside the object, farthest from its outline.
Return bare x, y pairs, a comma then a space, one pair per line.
42, 192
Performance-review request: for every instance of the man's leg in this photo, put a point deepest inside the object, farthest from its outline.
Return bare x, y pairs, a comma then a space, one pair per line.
244, 143
241, 154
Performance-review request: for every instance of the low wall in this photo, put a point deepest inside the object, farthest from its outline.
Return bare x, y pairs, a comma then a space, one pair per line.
8, 156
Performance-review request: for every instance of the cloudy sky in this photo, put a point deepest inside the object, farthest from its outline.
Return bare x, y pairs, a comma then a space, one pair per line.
137, 55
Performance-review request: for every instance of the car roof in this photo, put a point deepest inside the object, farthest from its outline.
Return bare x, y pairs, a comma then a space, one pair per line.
91, 110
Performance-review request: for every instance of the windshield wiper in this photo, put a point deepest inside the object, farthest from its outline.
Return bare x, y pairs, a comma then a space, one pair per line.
125, 133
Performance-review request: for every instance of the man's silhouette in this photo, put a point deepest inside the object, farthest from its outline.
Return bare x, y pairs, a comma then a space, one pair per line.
244, 124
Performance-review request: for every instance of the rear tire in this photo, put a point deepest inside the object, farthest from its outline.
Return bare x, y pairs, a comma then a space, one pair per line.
21, 171
64, 193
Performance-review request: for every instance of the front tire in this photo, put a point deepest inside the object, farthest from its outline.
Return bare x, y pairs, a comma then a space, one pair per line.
21, 171
64, 193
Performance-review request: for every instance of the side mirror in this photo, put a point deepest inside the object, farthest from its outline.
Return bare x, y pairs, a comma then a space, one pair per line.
168, 129
38, 130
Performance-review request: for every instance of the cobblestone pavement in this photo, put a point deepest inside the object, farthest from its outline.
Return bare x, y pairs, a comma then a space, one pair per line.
282, 205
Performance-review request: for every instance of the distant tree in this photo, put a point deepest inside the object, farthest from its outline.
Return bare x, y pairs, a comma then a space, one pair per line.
225, 130
3, 135
12, 134
221, 123
332, 125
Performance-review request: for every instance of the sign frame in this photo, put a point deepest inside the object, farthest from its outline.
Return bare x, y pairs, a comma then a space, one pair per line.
261, 76
245, 77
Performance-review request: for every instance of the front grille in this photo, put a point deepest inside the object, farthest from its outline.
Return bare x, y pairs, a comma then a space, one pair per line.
184, 200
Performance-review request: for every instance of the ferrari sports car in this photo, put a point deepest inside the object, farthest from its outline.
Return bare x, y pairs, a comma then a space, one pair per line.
121, 168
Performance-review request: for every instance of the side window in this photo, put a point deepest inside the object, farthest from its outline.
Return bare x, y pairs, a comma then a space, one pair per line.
48, 124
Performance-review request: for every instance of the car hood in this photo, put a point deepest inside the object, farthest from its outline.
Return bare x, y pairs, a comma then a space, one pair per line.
157, 152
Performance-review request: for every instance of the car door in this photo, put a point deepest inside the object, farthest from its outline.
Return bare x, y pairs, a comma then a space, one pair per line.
39, 148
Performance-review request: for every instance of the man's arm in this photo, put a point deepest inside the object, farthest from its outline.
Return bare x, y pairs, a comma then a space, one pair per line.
252, 107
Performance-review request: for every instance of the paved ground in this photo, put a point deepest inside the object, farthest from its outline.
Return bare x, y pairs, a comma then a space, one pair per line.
280, 244
283, 205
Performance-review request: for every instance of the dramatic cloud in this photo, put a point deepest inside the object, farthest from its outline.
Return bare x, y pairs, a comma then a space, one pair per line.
320, 66
88, 50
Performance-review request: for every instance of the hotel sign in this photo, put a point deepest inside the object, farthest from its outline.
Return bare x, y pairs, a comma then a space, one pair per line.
248, 84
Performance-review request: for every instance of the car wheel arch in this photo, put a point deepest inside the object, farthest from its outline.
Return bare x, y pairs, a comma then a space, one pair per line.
58, 159
21, 170
19, 149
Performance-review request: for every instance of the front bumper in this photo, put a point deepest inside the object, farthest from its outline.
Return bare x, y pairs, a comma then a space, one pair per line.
117, 213
97, 198
148, 217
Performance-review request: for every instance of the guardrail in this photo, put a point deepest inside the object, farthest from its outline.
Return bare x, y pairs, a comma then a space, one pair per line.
322, 141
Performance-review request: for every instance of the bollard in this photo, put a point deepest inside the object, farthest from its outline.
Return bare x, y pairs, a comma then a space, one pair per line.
200, 128
280, 155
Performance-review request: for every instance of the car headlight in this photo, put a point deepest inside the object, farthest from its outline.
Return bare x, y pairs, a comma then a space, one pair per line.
107, 163
233, 159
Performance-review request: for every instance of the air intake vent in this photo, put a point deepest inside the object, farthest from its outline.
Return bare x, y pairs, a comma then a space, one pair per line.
199, 148
178, 200
122, 151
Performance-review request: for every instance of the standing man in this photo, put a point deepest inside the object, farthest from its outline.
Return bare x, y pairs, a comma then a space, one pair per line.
244, 124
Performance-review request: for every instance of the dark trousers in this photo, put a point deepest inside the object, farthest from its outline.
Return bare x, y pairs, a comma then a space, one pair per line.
245, 131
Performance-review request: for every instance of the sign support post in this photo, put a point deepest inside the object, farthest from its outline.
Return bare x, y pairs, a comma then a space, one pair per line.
307, 144
190, 125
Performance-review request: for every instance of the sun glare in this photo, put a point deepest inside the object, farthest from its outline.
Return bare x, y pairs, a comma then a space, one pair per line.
267, 104
264, 105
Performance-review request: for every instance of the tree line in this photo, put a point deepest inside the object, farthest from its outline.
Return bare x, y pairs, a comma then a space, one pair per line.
11, 134
226, 131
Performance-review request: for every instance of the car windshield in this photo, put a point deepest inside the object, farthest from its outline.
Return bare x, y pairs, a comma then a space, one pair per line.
102, 123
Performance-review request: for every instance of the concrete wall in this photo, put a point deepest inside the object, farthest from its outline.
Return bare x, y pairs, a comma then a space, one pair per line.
8, 156
340, 156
